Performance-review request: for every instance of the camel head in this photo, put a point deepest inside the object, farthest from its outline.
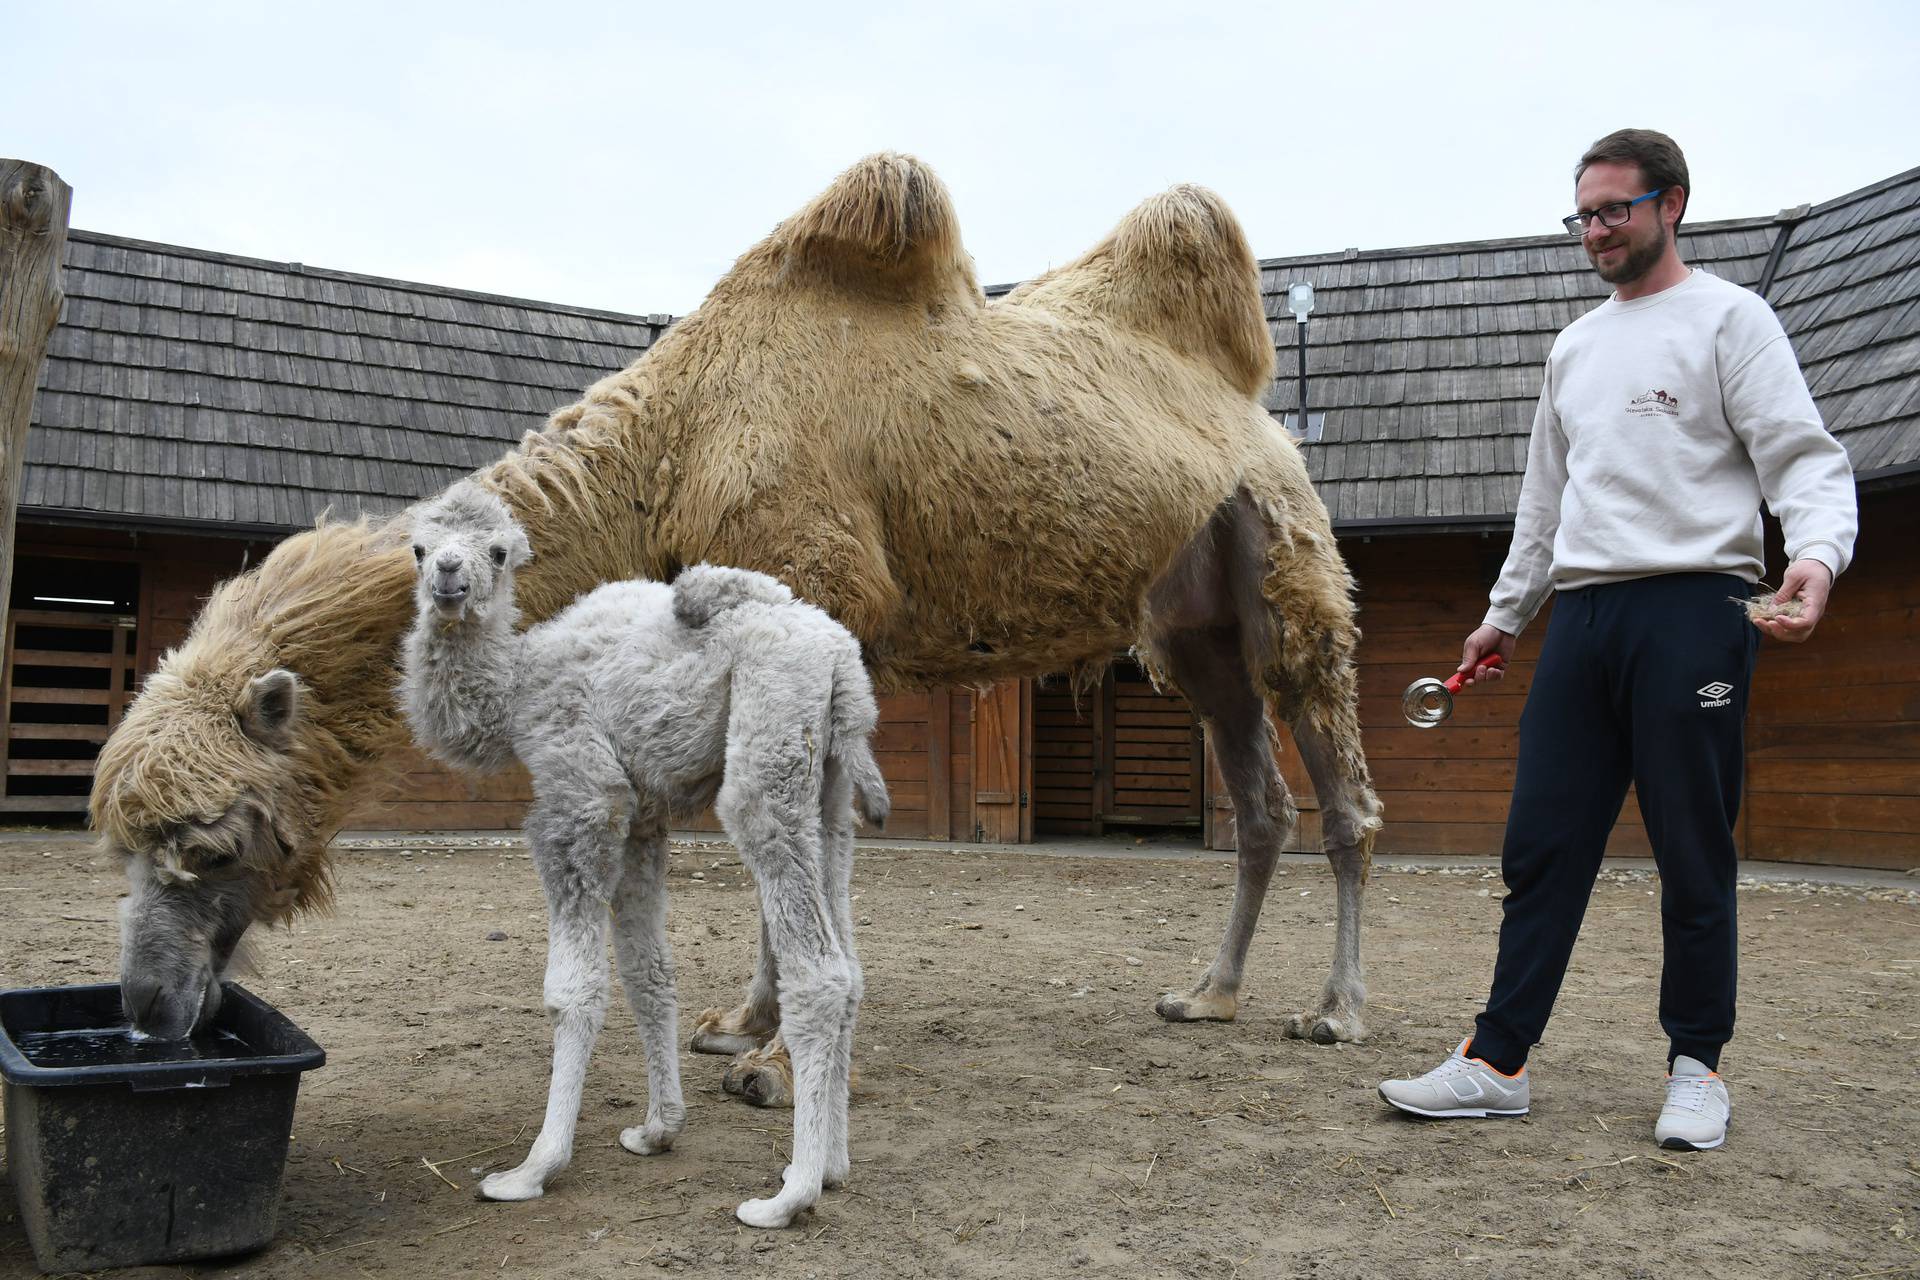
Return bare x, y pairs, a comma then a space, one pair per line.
225, 779
196, 883
466, 546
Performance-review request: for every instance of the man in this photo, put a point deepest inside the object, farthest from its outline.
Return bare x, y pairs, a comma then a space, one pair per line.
1669, 412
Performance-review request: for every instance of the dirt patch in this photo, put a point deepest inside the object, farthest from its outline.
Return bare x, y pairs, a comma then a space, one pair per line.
1021, 1111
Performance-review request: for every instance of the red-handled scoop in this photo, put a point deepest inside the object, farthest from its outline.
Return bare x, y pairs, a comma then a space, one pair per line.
1428, 701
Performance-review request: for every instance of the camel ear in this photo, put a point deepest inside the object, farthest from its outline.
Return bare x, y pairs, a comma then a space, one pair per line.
519, 550
270, 708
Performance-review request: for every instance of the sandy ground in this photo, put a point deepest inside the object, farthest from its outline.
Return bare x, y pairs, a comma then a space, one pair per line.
1022, 1113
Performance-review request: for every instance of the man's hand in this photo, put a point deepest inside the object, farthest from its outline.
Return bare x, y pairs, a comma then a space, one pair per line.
1807, 581
1481, 645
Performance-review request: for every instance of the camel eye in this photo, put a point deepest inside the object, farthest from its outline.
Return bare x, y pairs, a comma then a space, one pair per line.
500, 556
220, 861
419, 553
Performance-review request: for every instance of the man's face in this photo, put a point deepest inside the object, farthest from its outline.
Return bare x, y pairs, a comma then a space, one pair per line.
1627, 252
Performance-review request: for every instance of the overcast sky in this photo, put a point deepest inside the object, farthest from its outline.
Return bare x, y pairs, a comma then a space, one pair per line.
620, 156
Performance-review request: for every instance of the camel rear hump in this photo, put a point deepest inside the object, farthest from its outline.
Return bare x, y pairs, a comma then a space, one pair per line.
1177, 268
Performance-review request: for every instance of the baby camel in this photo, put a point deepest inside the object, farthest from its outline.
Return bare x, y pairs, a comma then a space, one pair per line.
636, 702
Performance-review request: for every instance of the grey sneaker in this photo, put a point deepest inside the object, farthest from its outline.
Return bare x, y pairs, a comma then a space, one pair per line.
1461, 1086
1695, 1117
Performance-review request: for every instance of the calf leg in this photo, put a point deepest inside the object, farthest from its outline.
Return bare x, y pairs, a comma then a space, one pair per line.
763, 1076
576, 850
782, 841
646, 971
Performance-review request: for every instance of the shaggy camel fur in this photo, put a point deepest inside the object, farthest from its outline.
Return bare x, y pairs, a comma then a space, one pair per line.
977, 490
636, 702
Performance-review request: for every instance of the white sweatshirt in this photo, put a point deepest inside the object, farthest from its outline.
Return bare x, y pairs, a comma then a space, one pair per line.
1663, 423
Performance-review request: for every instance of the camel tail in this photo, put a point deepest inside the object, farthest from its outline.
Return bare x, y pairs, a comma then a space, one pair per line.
706, 591
854, 716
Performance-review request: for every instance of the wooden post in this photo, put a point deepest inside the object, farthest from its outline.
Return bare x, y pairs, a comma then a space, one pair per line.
33, 242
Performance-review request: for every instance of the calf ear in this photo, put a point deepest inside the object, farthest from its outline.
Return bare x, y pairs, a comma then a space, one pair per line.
270, 708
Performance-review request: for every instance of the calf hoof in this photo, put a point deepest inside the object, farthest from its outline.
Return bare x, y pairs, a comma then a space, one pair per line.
762, 1081
648, 1139
1326, 1028
768, 1214
1198, 1006
511, 1184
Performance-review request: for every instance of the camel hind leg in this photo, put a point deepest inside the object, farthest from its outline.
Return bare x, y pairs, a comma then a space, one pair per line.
1305, 654
1349, 819
1256, 614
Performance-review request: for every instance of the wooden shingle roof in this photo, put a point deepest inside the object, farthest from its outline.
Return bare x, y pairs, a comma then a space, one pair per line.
1427, 361
1847, 289
186, 387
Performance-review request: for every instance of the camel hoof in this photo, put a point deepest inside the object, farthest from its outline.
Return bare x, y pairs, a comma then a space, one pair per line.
1325, 1028
647, 1140
1197, 1007
725, 1044
711, 1034
762, 1084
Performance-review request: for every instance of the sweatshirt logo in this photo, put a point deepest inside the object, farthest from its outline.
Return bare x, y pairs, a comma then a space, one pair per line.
1715, 694
1652, 402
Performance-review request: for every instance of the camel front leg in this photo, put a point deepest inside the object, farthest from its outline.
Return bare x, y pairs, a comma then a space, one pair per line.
646, 971
1209, 668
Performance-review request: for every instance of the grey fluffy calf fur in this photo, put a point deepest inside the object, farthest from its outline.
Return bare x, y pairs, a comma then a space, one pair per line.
637, 702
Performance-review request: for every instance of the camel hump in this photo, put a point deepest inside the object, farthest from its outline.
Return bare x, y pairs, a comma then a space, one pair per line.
1178, 268
706, 591
886, 225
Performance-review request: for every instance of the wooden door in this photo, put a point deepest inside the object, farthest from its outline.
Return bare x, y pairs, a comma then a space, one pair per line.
69, 676
1003, 763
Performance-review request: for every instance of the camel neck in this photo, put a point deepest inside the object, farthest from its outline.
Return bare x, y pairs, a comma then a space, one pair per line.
457, 688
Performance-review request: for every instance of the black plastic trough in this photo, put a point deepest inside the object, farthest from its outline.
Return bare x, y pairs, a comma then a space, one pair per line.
174, 1154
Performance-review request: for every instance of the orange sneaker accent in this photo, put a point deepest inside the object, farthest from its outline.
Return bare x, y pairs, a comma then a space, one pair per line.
1504, 1075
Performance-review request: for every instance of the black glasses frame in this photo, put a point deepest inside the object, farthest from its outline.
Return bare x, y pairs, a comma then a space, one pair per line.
1610, 215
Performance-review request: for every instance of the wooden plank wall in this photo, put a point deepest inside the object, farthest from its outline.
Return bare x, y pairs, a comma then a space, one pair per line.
1833, 730
1445, 789
1064, 769
1151, 752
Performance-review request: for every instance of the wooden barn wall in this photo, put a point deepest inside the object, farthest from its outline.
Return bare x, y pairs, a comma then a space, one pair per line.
922, 737
175, 572
1445, 789
1833, 731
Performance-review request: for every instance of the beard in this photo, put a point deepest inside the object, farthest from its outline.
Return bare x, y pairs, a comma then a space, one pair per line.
1639, 260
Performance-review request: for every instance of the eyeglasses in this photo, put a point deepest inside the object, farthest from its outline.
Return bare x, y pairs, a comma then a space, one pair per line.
1610, 215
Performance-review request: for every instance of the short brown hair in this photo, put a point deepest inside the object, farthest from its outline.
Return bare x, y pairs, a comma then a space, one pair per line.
1656, 155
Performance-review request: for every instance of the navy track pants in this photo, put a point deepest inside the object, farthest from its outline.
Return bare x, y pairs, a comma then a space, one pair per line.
1642, 682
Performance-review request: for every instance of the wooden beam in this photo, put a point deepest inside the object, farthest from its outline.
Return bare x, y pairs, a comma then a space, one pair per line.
33, 241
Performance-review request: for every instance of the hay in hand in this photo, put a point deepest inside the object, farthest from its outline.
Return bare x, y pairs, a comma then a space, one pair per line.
1764, 607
